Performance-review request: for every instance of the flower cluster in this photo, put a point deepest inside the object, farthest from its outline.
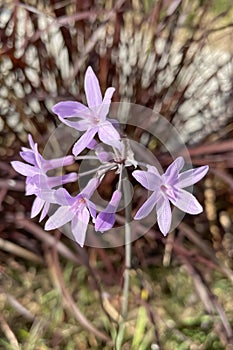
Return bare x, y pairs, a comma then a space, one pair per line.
79, 210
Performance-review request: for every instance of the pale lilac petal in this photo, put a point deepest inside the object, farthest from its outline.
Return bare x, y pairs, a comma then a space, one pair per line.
31, 188
148, 206
148, 180
81, 125
114, 122
164, 215
172, 172
59, 218
152, 169
73, 110
38, 185
40, 180
106, 218
37, 206
31, 142
44, 211
38, 157
57, 162
109, 135
47, 195
28, 156
84, 141
92, 145
90, 188
24, 169
92, 208
68, 109
63, 197
187, 203
79, 226
105, 221
92, 89
190, 177
104, 108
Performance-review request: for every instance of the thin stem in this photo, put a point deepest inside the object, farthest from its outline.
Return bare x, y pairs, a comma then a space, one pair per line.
143, 164
102, 167
128, 209
86, 157
120, 177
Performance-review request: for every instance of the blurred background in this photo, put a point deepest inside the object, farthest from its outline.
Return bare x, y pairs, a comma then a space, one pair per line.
173, 56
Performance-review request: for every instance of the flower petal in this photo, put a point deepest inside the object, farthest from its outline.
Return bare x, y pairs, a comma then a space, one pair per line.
68, 109
104, 108
172, 172
90, 188
28, 156
92, 209
25, 169
38, 157
73, 110
92, 145
31, 187
79, 226
44, 211
105, 221
152, 169
92, 89
81, 125
109, 135
84, 141
106, 218
37, 206
190, 177
186, 202
148, 180
59, 218
148, 206
63, 197
31, 142
164, 215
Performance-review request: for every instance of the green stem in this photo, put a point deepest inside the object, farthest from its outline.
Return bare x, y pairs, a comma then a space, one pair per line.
128, 209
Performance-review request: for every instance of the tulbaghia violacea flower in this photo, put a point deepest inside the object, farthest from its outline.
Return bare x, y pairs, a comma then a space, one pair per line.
37, 180
76, 210
106, 218
169, 187
37, 164
92, 119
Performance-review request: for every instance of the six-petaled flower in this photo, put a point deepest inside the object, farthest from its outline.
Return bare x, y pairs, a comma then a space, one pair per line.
76, 210
37, 180
92, 119
169, 188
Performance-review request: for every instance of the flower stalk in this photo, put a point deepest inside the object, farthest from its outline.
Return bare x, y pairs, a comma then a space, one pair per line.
128, 247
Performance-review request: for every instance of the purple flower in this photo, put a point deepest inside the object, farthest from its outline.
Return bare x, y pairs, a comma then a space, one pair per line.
37, 181
106, 218
169, 187
41, 186
37, 164
76, 210
92, 119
